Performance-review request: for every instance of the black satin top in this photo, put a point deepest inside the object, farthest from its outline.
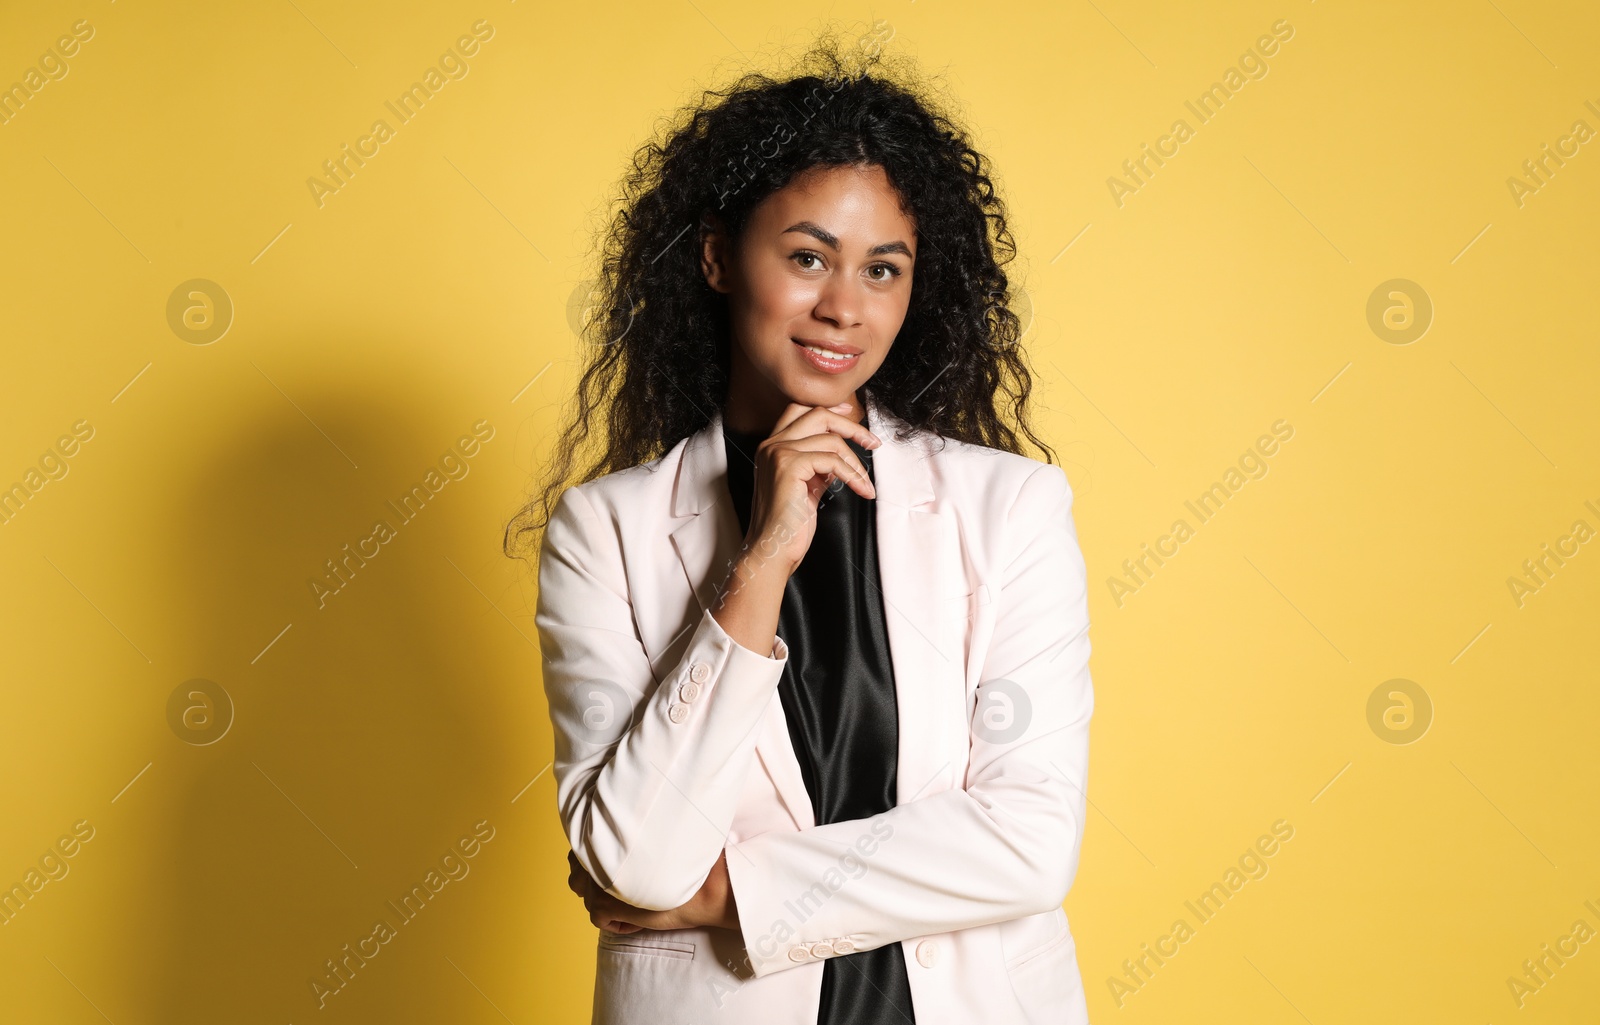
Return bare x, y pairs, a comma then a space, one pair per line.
838, 695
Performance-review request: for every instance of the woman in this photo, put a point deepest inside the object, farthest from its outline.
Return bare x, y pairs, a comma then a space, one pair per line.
814, 630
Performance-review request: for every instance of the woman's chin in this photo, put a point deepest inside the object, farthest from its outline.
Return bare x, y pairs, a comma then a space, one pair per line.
825, 393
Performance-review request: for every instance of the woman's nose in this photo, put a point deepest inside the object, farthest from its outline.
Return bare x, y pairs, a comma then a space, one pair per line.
839, 301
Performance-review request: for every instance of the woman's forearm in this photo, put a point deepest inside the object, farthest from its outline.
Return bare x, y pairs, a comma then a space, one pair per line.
650, 762
750, 600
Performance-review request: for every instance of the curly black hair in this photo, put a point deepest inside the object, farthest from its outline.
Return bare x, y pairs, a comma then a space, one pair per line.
659, 335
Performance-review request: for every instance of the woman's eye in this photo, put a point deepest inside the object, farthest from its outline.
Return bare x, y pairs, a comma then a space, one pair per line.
891, 269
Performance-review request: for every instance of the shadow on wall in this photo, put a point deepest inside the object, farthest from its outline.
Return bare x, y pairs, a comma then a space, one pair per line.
367, 774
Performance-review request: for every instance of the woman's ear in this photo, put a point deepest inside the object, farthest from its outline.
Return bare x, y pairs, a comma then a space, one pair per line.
715, 252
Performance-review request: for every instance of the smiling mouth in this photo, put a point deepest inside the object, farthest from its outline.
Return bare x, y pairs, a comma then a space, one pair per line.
827, 357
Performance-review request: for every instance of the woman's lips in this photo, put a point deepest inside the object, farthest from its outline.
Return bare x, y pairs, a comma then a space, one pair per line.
831, 363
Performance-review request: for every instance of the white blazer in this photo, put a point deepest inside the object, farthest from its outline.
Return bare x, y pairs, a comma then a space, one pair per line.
671, 743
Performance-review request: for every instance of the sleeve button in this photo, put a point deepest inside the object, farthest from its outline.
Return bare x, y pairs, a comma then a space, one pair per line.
689, 691
699, 672
799, 954
822, 949
843, 947
678, 713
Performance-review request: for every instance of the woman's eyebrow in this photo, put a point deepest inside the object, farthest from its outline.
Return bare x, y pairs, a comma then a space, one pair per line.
830, 240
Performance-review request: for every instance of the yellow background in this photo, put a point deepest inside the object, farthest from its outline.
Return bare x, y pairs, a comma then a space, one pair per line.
369, 334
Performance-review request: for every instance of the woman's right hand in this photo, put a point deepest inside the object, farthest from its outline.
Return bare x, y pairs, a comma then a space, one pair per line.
799, 461
802, 457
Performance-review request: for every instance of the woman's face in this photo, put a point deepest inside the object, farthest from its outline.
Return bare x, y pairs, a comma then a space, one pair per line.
825, 260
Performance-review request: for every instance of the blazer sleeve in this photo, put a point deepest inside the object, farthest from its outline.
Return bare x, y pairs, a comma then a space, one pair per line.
1006, 845
648, 770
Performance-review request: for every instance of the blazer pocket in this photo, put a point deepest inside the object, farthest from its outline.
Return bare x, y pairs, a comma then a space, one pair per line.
1047, 983
1049, 943
640, 944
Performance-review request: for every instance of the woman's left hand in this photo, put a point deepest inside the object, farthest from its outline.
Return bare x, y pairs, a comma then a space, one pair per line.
712, 905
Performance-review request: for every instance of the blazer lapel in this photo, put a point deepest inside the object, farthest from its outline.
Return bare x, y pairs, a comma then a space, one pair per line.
924, 587
921, 581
